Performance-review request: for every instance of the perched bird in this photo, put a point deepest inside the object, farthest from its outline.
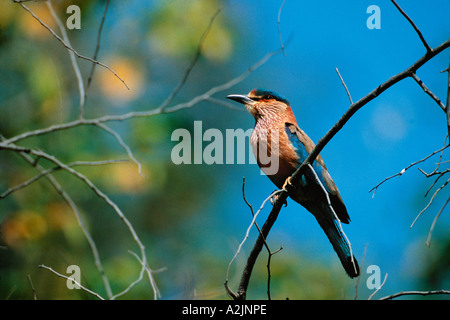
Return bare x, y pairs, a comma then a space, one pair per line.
277, 132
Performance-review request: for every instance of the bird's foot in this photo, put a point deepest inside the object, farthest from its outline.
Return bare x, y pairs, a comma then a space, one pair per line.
287, 182
274, 199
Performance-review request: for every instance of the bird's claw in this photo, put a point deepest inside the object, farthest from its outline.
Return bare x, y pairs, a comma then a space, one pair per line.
274, 198
287, 182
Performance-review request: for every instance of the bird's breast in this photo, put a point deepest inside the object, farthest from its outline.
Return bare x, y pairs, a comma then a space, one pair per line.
274, 154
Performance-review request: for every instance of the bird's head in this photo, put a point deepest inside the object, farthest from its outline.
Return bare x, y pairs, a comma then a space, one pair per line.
262, 103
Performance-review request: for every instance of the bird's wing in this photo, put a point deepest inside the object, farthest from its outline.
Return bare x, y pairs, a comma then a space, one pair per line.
303, 145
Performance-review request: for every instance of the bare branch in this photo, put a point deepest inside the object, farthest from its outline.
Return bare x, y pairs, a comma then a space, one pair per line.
428, 242
143, 114
279, 27
77, 213
354, 107
245, 279
191, 65
48, 171
140, 278
345, 86
430, 202
69, 47
97, 48
73, 280
123, 144
378, 289
71, 54
428, 91
280, 200
32, 287
414, 26
374, 189
447, 105
99, 193
265, 244
439, 173
420, 293
103, 196
360, 274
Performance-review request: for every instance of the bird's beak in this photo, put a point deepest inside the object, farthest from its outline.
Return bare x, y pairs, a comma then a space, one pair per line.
240, 98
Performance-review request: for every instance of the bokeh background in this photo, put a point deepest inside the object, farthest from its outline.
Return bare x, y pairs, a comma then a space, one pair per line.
191, 218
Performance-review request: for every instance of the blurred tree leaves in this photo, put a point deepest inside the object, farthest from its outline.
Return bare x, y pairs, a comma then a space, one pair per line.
167, 38
36, 225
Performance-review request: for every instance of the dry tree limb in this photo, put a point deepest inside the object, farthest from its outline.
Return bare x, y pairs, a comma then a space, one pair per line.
421, 293
73, 280
282, 195
428, 91
425, 44
97, 48
67, 46
374, 189
378, 289
44, 173
279, 27
149, 113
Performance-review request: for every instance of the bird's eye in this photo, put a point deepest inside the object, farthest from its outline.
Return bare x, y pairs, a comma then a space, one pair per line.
268, 97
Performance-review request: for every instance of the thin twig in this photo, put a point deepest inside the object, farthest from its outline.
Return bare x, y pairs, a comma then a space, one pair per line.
378, 289
149, 113
439, 173
428, 91
374, 189
70, 48
413, 25
139, 279
99, 193
430, 202
279, 27
248, 232
253, 213
354, 107
123, 144
360, 274
97, 48
269, 276
75, 66
242, 291
191, 65
447, 105
428, 242
73, 280
265, 242
420, 293
51, 170
32, 287
77, 213
345, 86
106, 199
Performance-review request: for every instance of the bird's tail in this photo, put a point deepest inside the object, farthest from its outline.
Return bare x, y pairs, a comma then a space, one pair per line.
340, 245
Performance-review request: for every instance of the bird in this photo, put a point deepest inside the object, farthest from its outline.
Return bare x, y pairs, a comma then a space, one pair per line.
315, 190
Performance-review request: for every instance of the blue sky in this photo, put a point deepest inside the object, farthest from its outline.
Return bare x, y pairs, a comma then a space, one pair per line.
399, 127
